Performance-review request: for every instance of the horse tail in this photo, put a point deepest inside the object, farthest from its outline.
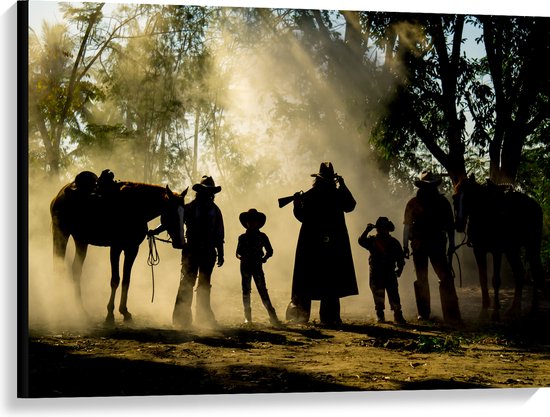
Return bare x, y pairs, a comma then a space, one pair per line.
60, 237
59, 240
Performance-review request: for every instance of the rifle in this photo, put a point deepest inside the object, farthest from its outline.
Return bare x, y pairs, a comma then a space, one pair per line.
283, 201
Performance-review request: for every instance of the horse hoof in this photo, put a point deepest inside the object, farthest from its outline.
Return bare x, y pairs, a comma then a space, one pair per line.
110, 320
127, 316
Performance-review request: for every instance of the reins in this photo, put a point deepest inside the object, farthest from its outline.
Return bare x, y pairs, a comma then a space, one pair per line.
154, 258
465, 241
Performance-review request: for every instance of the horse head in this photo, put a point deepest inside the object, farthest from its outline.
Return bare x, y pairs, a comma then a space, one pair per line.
464, 194
172, 217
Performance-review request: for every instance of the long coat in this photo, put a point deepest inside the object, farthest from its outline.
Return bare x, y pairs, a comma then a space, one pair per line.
324, 265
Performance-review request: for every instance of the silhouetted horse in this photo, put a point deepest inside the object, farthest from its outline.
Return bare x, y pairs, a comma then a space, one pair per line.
115, 215
501, 222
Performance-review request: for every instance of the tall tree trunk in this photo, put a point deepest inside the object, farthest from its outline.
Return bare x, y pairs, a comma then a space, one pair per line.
448, 64
57, 130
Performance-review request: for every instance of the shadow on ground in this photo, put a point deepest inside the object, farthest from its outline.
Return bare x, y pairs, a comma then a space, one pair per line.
57, 372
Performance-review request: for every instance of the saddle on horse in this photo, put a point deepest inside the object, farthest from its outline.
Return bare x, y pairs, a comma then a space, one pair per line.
93, 198
88, 184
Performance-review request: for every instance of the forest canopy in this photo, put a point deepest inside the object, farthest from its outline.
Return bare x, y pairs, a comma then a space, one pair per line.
164, 93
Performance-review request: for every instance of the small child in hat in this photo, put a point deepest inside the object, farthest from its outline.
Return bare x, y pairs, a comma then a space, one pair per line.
254, 249
386, 261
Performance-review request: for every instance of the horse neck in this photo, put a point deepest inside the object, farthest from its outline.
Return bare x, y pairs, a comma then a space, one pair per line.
482, 202
145, 200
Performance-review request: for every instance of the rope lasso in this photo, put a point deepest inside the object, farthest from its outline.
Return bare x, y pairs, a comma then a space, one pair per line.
154, 258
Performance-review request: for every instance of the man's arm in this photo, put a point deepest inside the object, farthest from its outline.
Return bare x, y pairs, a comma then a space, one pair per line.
407, 223
450, 231
363, 239
239, 250
406, 236
220, 237
159, 229
347, 201
400, 258
268, 248
298, 206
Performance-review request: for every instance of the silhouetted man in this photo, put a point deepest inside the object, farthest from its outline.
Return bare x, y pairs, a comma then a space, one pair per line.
323, 268
204, 237
428, 223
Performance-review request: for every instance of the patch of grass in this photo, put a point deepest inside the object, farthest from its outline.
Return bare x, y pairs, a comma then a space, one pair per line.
431, 344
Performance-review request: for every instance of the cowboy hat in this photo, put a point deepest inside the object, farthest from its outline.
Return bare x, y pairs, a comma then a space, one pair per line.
252, 215
427, 178
384, 223
207, 185
326, 171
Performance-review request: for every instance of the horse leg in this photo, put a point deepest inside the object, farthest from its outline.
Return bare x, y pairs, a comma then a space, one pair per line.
115, 281
497, 266
60, 240
481, 261
535, 264
129, 258
81, 250
519, 275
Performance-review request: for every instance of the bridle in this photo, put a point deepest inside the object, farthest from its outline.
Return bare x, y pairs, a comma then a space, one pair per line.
465, 240
153, 259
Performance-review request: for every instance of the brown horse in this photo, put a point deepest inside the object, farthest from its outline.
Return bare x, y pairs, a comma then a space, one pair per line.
501, 221
113, 215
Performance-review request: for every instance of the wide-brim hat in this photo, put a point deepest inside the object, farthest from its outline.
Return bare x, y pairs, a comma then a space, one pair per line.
252, 214
326, 171
384, 223
428, 178
207, 185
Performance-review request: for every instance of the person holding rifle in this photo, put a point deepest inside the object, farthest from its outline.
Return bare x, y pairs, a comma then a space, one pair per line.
323, 268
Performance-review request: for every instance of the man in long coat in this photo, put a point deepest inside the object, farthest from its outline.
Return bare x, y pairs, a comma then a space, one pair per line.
323, 268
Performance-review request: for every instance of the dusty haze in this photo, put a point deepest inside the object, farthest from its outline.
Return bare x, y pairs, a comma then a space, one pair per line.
283, 156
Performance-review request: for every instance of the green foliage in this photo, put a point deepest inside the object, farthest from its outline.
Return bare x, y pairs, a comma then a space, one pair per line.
435, 344
534, 178
155, 83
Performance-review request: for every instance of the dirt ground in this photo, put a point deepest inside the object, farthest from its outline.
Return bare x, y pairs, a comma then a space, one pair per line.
145, 358
70, 358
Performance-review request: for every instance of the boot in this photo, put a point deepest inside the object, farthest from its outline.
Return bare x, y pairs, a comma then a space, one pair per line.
205, 315
247, 309
380, 318
422, 295
298, 311
182, 316
449, 303
329, 312
273, 319
398, 317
